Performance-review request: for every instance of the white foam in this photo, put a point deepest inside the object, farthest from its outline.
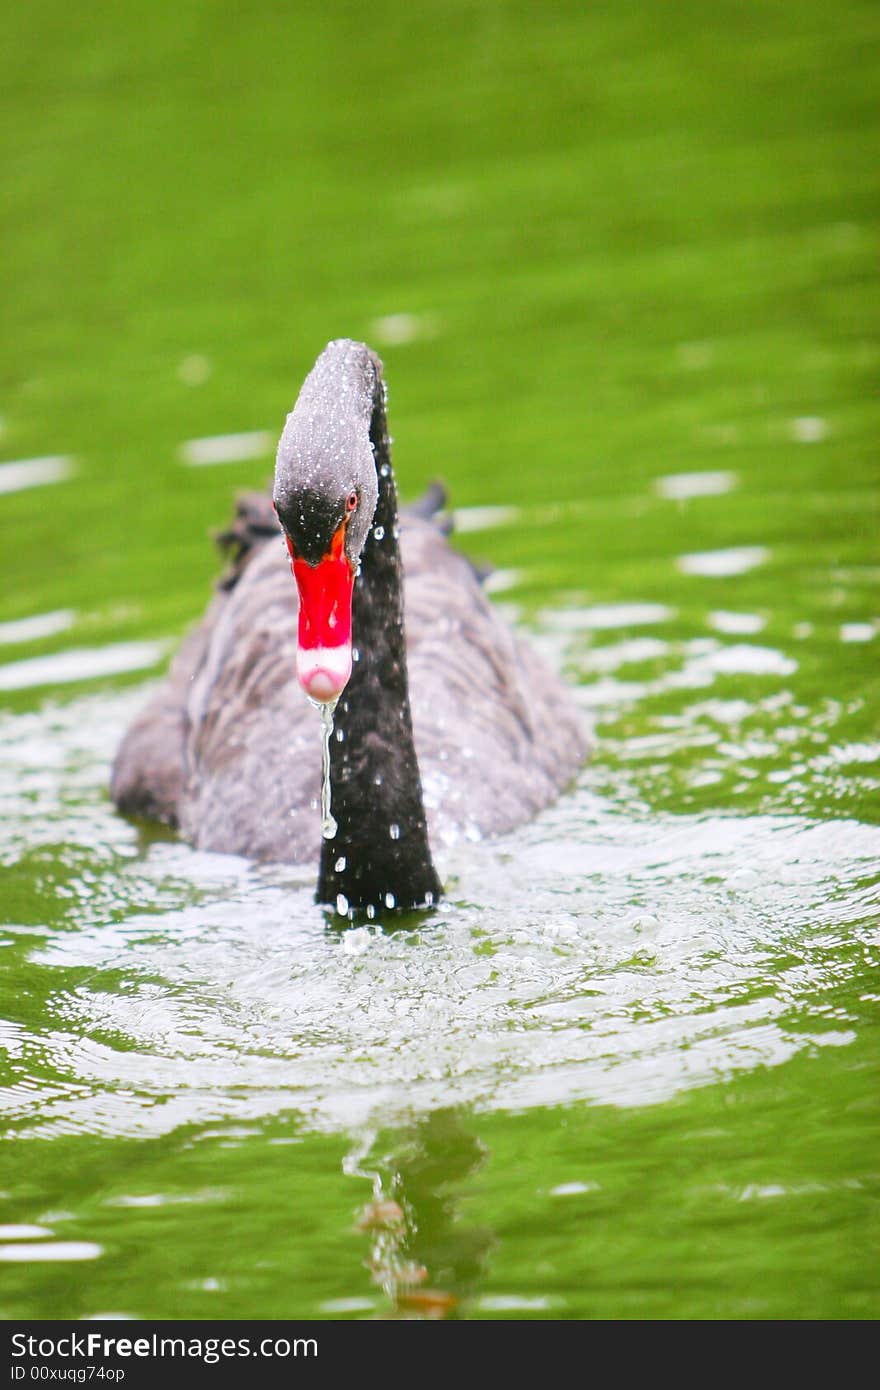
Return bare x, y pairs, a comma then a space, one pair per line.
39, 625
680, 486
23, 473
809, 429
80, 664
743, 659
500, 580
736, 624
51, 1251
227, 448
602, 616
484, 518
719, 564
395, 330
628, 651
857, 632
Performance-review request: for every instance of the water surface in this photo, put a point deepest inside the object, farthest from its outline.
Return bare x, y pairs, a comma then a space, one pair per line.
622, 273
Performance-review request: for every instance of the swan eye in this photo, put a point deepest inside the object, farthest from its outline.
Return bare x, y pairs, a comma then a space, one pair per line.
351, 501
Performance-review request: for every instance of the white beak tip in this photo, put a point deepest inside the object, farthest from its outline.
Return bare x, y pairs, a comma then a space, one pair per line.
323, 672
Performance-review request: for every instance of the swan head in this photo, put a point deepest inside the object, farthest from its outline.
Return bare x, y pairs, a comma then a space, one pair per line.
325, 495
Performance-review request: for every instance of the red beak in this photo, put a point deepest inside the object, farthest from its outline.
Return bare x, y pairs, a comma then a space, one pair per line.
323, 657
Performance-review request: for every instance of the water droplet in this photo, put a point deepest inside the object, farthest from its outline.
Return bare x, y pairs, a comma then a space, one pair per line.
341, 904
355, 654
378, 779
389, 900
340, 864
371, 911
429, 899
394, 831
340, 735
379, 532
385, 471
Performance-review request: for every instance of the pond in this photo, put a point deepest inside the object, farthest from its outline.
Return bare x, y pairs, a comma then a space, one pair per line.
620, 274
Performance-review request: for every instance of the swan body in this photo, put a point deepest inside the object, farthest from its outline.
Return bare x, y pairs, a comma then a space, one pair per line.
448, 724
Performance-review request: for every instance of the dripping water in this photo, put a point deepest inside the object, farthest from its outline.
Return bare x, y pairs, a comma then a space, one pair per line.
328, 824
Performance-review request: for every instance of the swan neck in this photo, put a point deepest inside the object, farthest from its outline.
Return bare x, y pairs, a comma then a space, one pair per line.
380, 856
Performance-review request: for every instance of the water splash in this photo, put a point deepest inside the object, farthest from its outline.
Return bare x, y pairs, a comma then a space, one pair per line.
609, 951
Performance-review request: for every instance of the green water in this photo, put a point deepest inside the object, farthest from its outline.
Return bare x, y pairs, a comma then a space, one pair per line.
630, 1067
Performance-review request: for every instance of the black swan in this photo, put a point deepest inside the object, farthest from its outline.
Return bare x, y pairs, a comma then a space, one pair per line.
227, 748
